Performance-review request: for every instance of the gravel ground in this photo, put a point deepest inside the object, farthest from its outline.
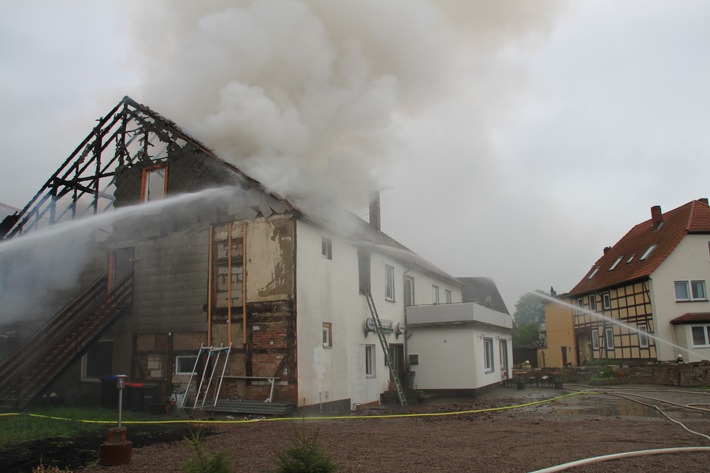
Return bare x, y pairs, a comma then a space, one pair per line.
520, 439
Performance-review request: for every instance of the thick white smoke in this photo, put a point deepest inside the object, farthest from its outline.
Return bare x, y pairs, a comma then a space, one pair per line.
308, 95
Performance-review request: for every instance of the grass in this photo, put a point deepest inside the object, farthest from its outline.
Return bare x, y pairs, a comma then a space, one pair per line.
24, 428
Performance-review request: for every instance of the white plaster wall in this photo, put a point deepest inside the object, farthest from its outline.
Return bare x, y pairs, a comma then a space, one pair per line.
461, 312
689, 261
328, 291
452, 357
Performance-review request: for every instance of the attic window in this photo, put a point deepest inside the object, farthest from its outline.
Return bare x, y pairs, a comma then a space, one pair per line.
591, 275
631, 258
618, 260
648, 252
154, 182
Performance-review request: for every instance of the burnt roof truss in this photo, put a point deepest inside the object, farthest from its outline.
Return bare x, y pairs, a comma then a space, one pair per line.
83, 185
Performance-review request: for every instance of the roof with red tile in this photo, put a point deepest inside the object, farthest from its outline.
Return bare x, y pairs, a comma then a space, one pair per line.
691, 318
693, 217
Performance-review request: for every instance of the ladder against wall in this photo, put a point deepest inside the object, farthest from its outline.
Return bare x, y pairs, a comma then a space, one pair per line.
386, 349
207, 376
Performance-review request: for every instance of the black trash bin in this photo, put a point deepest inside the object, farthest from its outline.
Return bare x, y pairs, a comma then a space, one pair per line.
109, 391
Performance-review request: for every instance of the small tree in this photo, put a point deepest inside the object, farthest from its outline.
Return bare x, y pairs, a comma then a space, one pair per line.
304, 455
204, 461
530, 309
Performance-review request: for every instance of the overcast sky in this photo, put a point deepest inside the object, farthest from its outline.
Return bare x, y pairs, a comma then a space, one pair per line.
511, 139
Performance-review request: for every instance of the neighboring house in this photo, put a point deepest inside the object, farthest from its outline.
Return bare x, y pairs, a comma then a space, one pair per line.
653, 280
559, 348
144, 289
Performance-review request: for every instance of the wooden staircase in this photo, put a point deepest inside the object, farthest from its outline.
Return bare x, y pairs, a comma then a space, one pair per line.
60, 341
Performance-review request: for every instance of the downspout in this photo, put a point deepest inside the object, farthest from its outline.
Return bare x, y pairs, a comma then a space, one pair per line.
209, 290
244, 283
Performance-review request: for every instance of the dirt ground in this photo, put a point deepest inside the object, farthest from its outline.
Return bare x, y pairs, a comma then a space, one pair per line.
511, 439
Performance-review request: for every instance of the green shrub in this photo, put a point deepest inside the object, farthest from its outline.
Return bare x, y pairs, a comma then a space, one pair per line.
304, 455
203, 461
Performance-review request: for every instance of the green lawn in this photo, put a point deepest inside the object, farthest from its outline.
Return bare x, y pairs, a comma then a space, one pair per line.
50, 422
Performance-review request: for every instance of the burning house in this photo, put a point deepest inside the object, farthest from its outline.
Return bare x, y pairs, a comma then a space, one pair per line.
147, 255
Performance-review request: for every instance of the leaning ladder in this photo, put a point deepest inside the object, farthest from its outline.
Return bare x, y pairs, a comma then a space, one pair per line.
213, 357
385, 349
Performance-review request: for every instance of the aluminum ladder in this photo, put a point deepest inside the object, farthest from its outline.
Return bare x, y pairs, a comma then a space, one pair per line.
386, 349
212, 358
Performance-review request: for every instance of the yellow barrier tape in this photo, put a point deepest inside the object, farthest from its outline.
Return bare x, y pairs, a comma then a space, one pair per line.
284, 419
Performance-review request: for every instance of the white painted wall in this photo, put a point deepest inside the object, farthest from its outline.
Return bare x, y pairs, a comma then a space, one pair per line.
328, 291
689, 261
451, 356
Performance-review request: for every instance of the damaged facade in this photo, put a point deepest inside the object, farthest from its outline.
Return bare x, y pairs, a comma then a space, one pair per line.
226, 264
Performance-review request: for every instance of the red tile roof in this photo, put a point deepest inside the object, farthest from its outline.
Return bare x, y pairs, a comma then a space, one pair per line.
692, 317
693, 217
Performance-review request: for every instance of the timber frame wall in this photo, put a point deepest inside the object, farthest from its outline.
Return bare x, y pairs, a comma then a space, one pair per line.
629, 304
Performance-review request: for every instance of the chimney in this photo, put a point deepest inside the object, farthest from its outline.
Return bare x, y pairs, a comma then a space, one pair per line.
656, 216
704, 200
375, 209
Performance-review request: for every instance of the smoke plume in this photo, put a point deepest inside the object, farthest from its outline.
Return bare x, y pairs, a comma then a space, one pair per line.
309, 96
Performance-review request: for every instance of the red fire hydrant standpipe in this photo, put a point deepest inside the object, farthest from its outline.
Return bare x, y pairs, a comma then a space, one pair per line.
116, 450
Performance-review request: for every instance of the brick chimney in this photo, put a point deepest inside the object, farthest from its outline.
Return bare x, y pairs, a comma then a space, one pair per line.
375, 209
656, 216
704, 200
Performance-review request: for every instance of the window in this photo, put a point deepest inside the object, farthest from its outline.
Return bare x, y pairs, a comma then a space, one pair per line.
609, 338
326, 247
595, 339
578, 306
488, 354
647, 253
408, 291
327, 335
591, 275
389, 282
98, 360
618, 260
434, 294
370, 361
643, 338
447, 296
701, 335
690, 290
363, 266
592, 302
606, 301
154, 182
631, 258
185, 364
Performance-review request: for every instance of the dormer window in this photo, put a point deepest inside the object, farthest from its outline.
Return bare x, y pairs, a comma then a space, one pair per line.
648, 252
618, 260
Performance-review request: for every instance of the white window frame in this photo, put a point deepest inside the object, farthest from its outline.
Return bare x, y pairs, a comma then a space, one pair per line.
447, 296
705, 328
180, 359
593, 302
616, 263
326, 248
606, 301
643, 337
327, 333
578, 306
609, 338
488, 357
389, 283
648, 252
595, 339
435, 294
695, 290
370, 359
